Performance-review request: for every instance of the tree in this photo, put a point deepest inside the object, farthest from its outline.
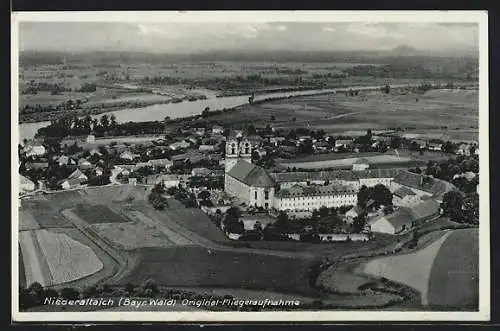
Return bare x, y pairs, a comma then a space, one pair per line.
149, 288
112, 120
282, 223
382, 195
206, 112
359, 223
396, 142
452, 205
324, 211
364, 195
233, 213
104, 122
69, 293
204, 195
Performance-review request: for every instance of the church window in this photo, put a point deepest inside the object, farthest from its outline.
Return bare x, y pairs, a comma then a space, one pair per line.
255, 194
266, 195
247, 149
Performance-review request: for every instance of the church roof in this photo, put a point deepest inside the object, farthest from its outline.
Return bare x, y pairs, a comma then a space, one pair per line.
251, 174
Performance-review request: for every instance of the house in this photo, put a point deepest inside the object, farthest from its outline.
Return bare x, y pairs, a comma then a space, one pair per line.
422, 144
127, 155
276, 140
95, 151
160, 163
90, 138
25, 185
352, 213
191, 156
421, 185
360, 164
199, 131
201, 172
98, 171
207, 148
469, 175
84, 164
397, 222
217, 129
34, 149
463, 149
63, 160
435, 146
179, 145
76, 179
132, 181
192, 140
405, 218
345, 143
403, 196
322, 146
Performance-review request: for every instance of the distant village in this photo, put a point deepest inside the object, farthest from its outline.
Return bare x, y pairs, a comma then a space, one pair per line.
236, 177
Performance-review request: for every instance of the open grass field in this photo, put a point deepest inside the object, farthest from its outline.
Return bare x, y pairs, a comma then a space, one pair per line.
447, 273
96, 214
195, 266
454, 278
67, 258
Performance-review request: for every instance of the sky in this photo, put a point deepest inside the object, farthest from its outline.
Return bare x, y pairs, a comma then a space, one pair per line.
193, 37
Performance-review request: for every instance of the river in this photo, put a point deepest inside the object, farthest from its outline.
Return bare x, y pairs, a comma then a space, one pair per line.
187, 108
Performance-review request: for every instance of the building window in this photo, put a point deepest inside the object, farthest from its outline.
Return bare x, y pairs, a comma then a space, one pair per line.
266, 195
266, 205
256, 195
247, 149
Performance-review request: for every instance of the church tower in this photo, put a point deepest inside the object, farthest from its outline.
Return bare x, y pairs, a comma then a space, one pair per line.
237, 149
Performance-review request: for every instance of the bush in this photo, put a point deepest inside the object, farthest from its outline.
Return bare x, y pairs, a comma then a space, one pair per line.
69, 293
317, 304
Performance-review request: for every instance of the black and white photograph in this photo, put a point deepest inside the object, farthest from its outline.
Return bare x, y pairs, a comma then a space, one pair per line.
250, 166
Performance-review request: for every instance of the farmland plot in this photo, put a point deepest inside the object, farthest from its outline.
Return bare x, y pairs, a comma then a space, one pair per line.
132, 235
95, 214
412, 269
454, 279
67, 259
27, 221
33, 269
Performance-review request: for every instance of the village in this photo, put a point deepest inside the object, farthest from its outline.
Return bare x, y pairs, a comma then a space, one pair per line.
243, 181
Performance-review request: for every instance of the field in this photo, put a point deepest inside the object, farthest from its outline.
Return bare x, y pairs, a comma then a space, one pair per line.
27, 221
196, 266
67, 259
385, 159
454, 279
447, 273
96, 214
457, 110
34, 271
131, 235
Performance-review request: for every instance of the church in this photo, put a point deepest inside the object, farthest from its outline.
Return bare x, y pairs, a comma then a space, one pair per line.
243, 179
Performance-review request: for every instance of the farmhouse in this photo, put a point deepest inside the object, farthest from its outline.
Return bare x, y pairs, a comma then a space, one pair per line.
37, 165
90, 138
405, 197
345, 143
354, 212
405, 218
76, 179
201, 172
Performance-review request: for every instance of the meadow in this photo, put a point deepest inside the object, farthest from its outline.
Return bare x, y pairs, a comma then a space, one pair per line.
436, 113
